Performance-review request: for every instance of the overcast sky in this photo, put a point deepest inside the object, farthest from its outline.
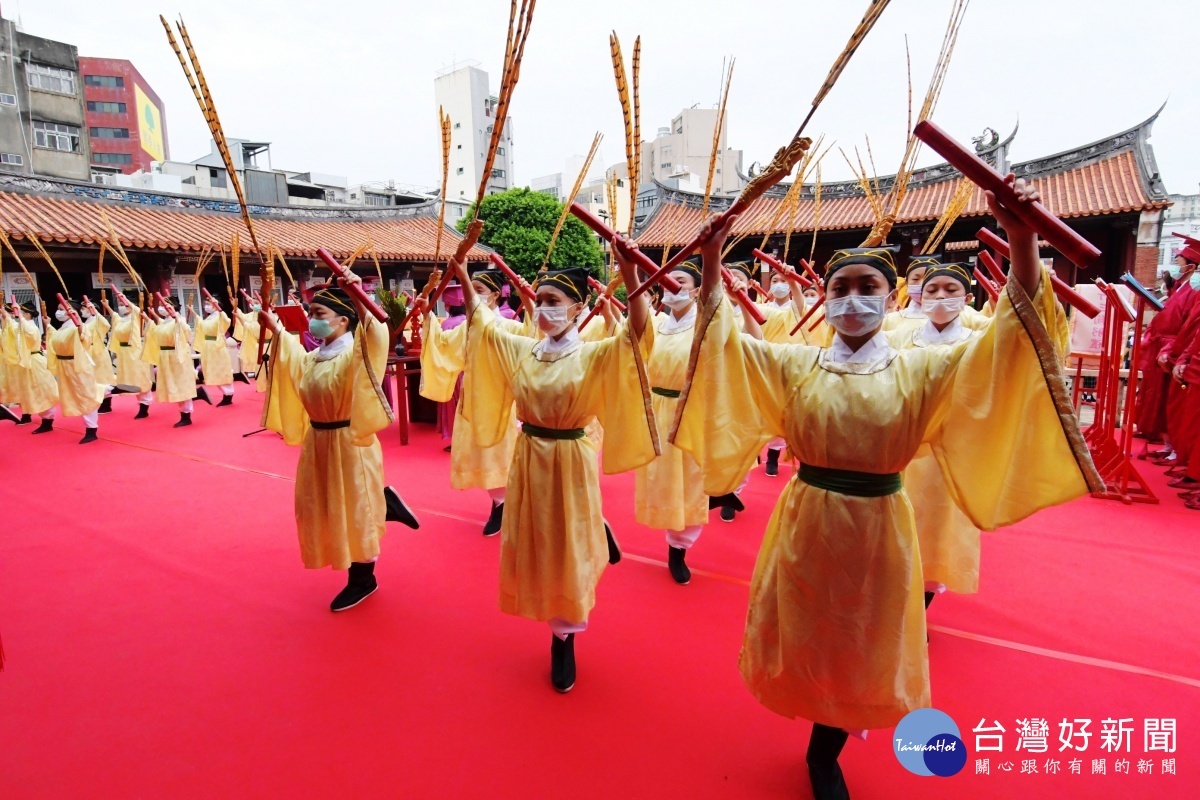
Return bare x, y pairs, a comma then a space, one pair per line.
347, 87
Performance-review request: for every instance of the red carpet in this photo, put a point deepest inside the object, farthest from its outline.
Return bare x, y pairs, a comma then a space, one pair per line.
164, 641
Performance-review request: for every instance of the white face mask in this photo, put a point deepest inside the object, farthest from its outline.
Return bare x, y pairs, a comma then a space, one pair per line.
675, 302
856, 314
780, 290
914, 291
551, 319
123, 311
208, 309
86, 314
943, 310
161, 311
60, 315
1194, 281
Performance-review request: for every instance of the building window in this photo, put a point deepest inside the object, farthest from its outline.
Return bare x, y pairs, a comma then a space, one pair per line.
666, 165
55, 136
458, 171
105, 108
107, 81
8, 99
110, 133
50, 79
217, 178
497, 173
12, 158
499, 151
460, 147
112, 158
457, 125
376, 199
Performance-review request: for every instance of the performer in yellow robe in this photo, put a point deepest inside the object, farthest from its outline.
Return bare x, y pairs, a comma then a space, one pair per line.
215, 364
168, 347
69, 359
329, 401
911, 317
669, 491
31, 385
247, 331
948, 541
553, 540
443, 359
836, 629
7, 394
125, 342
97, 328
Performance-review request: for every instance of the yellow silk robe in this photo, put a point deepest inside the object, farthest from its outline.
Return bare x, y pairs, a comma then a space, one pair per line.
443, 359
168, 347
836, 627
8, 359
948, 541
125, 342
553, 548
340, 508
214, 355
31, 383
246, 330
898, 321
68, 358
669, 491
96, 333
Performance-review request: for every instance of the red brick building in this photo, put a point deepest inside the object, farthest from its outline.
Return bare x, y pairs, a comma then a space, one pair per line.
126, 121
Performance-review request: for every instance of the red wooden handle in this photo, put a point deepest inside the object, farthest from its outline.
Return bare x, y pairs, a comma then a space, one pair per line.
354, 289
993, 268
820, 302
516, 280
743, 299
600, 288
1079, 251
782, 269
162, 302
1065, 293
988, 286
689, 248
655, 275
62, 301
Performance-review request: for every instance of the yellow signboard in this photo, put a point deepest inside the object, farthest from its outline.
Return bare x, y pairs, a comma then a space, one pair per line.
149, 125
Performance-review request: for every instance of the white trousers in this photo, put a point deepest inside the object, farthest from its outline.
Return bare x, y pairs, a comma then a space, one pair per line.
145, 397
185, 406
562, 629
92, 419
227, 389
497, 495
685, 538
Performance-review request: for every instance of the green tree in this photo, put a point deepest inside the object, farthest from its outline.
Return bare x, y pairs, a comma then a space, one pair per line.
518, 223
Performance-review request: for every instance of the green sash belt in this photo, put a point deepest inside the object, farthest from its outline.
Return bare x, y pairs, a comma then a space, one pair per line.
846, 481
210, 338
538, 432
661, 392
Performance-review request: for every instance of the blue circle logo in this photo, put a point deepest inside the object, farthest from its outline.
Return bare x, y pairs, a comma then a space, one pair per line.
927, 742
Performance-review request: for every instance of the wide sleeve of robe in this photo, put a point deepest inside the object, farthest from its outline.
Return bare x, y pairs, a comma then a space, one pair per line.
617, 389
733, 402
371, 411
443, 358
283, 411
1002, 427
492, 358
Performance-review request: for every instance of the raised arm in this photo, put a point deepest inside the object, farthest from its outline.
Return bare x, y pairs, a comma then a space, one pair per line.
639, 307
710, 253
1022, 240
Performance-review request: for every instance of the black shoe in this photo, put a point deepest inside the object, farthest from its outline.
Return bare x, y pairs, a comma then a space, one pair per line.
5, 414
772, 468
185, 419
25, 419
143, 411
88, 436
614, 552
398, 510
727, 514
562, 663
241, 376
105, 406
46, 426
730, 500
227, 400
824, 773
492, 527
202, 395
679, 568
360, 585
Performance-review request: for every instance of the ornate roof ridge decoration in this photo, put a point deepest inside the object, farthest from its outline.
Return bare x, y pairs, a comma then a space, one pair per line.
1135, 139
118, 195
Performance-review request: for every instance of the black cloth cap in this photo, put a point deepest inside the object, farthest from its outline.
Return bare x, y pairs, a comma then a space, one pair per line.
881, 258
744, 267
957, 271
335, 298
492, 278
690, 267
571, 281
916, 262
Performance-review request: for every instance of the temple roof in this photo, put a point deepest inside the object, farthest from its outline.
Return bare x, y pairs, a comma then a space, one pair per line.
1116, 175
69, 212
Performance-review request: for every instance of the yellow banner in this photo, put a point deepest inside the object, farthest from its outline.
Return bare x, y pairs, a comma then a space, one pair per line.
149, 125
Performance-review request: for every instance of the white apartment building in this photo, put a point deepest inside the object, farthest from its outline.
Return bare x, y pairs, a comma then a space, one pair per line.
461, 90
682, 151
1183, 217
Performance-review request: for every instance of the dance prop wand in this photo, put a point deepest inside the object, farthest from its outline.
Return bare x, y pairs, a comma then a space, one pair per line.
353, 289
62, 302
516, 280
992, 290
1065, 293
601, 290
160, 300
787, 157
783, 269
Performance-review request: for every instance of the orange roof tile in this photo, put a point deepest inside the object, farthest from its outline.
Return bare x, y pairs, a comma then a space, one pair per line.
1109, 186
72, 221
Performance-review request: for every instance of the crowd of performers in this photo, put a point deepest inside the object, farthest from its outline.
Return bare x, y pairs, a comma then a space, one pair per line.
884, 411
1167, 411
73, 365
